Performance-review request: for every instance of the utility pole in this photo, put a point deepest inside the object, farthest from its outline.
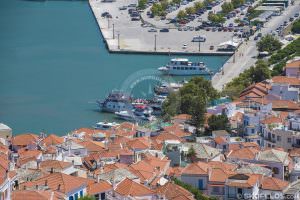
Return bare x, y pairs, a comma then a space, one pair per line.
118, 40
107, 23
155, 42
199, 45
113, 31
234, 56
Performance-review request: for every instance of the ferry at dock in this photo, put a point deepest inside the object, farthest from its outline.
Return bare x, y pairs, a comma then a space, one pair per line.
139, 113
116, 101
184, 67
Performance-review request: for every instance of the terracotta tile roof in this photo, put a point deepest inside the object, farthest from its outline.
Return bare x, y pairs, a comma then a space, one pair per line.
199, 168
52, 140
177, 130
24, 139
168, 191
219, 175
67, 183
55, 164
35, 195
293, 64
274, 184
256, 90
286, 80
149, 167
272, 120
295, 152
98, 188
174, 171
243, 180
220, 140
130, 188
167, 136
24, 153
139, 143
244, 153
285, 104
93, 146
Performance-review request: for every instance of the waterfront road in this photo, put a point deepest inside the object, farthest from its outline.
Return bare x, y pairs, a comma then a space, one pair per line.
245, 57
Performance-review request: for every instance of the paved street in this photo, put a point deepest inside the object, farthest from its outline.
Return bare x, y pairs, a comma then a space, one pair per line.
249, 51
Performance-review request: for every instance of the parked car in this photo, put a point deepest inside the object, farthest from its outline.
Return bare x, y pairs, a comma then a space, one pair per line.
211, 47
291, 19
152, 30
164, 30
184, 46
259, 34
123, 8
105, 14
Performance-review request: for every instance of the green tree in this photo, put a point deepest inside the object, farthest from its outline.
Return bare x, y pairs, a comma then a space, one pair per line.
227, 7
269, 43
176, 1
171, 106
181, 14
191, 155
198, 5
157, 9
198, 111
218, 122
164, 4
191, 99
255, 74
142, 4
260, 72
296, 27
216, 18
237, 3
190, 10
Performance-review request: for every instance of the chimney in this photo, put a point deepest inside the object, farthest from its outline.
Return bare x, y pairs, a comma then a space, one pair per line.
36, 187
58, 187
24, 187
51, 171
73, 162
46, 182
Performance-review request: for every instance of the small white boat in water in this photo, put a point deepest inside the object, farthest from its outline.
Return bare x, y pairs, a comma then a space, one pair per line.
105, 125
184, 67
140, 112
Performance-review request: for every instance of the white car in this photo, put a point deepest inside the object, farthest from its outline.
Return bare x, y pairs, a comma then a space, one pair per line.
184, 46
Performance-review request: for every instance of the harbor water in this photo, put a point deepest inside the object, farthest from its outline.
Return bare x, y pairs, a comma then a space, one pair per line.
54, 65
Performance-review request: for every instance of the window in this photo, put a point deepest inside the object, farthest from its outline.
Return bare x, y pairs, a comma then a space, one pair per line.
289, 140
215, 190
81, 193
103, 196
252, 130
240, 191
278, 138
273, 136
71, 198
275, 170
231, 192
76, 196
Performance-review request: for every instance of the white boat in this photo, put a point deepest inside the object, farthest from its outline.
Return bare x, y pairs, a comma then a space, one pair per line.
141, 112
116, 101
105, 125
183, 67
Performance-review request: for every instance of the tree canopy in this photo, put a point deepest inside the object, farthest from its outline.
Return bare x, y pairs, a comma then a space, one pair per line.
142, 4
268, 43
181, 14
216, 18
218, 122
191, 99
227, 7
296, 27
254, 74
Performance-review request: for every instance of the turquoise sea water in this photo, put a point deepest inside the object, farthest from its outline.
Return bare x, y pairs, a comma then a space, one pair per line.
53, 63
